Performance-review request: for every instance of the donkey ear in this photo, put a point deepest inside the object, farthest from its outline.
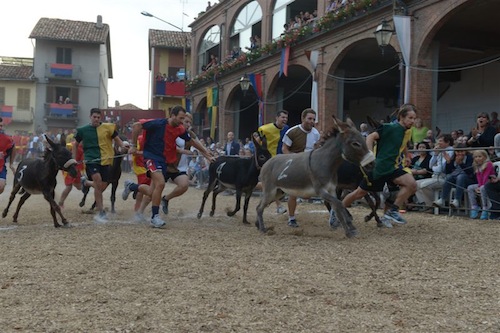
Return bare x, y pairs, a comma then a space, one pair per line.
63, 140
336, 124
51, 143
264, 142
350, 123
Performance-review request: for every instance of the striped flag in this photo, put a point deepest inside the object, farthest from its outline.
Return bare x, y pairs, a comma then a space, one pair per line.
61, 69
256, 82
285, 55
212, 103
6, 114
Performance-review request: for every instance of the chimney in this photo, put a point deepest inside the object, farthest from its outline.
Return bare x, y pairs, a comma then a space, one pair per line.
99, 25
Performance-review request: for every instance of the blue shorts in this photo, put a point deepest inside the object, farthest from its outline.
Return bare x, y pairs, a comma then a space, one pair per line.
168, 170
3, 172
103, 170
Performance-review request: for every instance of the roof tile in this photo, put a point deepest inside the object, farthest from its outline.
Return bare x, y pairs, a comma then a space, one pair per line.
66, 30
169, 39
12, 72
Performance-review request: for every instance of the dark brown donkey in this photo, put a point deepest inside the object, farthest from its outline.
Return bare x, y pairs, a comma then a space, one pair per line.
314, 173
37, 176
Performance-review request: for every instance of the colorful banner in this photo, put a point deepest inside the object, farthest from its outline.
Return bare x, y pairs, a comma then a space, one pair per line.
61, 109
6, 114
61, 69
256, 82
212, 103
285, 55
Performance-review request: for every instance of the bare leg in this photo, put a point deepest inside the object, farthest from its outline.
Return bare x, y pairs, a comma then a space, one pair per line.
64, 194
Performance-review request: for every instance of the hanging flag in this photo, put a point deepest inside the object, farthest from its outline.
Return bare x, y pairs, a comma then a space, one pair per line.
256, 82
6, 114
402, 25
186, 104
212, 102
61, 69
285, 55
313, 57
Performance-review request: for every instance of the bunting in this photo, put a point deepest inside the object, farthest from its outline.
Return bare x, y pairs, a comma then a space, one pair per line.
212, 103
6, 114
285, 55
256, 82
61, 69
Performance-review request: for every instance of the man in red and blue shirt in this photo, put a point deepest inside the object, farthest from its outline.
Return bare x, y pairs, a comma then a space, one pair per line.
6, 150
160, 155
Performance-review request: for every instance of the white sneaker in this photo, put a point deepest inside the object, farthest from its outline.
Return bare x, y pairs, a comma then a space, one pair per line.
438, 203
101, 218
455, 203
157, 222
139, 217
126, 189
281, 210
386, 222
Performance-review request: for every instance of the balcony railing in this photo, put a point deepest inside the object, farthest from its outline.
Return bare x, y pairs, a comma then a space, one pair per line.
61, 111
63, 72
166, 88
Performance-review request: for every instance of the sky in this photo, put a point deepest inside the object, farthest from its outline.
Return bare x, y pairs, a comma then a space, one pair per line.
128, 31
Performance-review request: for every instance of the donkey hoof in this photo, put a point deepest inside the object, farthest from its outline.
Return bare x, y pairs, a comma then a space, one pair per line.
351, 233
246, 222
198, 216
81, 204
367, 218
212, 214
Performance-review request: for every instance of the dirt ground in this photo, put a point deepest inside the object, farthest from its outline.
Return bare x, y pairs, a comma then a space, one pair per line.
435, 274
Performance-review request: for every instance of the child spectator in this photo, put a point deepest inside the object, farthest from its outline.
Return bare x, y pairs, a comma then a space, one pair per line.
483, 169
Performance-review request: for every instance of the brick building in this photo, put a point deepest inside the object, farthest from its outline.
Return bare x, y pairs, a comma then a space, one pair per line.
452, 72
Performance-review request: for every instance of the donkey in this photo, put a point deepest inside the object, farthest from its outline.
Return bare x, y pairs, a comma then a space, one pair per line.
114, 174
349, 177
314, 173
37, 176
237, 173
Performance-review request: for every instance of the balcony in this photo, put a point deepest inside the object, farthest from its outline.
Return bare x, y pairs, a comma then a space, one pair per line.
170, 89
63, 72
61, 111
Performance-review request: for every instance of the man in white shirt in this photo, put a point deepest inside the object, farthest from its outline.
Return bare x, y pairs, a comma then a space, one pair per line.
298, 139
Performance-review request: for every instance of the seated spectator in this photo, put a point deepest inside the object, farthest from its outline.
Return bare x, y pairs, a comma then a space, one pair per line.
483, 134
483, 168
420, 167
493, 192
443, 154
494, 120
459, 174
429, 138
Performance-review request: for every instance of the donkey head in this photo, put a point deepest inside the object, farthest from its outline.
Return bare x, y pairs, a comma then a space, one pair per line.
353, 144
261, 155
61, 156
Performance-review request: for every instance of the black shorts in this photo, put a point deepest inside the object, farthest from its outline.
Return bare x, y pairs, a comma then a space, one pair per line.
172, 175
103, 170
377, 185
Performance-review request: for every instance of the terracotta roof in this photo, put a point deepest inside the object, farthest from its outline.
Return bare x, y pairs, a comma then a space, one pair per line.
10, 72
128, 106
66, 30
169, 39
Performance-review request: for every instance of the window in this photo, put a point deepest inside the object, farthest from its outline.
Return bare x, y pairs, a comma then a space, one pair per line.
23, 99
2, 96
63, 55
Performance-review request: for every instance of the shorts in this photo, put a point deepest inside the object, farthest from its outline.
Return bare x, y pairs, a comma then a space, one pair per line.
68, 180
3, 172
143, 179
103, 170
377, 185
168, 171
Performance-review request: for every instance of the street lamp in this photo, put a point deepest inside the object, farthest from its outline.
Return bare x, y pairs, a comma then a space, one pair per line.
244, 84
145, 13
383, 34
